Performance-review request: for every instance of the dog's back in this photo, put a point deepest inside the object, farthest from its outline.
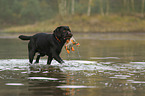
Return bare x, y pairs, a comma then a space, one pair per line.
43, 40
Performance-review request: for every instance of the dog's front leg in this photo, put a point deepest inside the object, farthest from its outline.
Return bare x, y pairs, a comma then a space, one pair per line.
49, 60
58, 58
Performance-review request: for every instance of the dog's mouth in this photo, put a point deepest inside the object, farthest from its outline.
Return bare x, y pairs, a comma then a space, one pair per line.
68, 36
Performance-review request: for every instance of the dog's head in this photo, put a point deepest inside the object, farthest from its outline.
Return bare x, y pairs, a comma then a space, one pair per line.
63, 32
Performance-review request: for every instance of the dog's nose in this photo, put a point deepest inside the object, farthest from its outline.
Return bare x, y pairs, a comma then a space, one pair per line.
69, 33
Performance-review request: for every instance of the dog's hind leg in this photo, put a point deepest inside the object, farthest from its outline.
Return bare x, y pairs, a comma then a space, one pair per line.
38, 57
31, 52
31, 56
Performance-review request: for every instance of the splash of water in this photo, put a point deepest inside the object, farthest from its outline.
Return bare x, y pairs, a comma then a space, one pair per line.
72, 65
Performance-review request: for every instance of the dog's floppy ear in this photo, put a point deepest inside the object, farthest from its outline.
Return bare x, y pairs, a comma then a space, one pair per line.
57, 32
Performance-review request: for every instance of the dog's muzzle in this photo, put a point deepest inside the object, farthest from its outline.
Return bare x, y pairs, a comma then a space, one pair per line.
68, 35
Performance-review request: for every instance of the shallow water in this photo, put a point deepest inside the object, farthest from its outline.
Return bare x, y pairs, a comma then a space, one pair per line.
108, 65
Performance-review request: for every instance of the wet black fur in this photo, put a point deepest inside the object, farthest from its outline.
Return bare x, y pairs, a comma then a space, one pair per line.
47, 44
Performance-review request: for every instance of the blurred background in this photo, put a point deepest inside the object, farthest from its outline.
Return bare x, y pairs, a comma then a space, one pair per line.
109, 62
80, 15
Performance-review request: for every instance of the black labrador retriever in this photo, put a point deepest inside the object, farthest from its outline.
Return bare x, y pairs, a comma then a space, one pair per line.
47, 44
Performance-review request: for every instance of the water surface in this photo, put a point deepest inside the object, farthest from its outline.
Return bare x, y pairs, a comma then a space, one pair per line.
105, 65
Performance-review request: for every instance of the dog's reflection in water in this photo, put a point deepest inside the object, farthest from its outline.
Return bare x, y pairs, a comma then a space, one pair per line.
44, 79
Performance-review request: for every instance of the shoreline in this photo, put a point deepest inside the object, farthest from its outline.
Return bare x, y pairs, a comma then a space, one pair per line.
87, 35
85, 24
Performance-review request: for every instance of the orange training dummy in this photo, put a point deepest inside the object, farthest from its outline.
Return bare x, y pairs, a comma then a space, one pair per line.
70, 43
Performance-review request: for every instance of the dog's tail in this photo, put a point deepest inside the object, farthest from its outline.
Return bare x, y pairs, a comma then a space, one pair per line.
22, 37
